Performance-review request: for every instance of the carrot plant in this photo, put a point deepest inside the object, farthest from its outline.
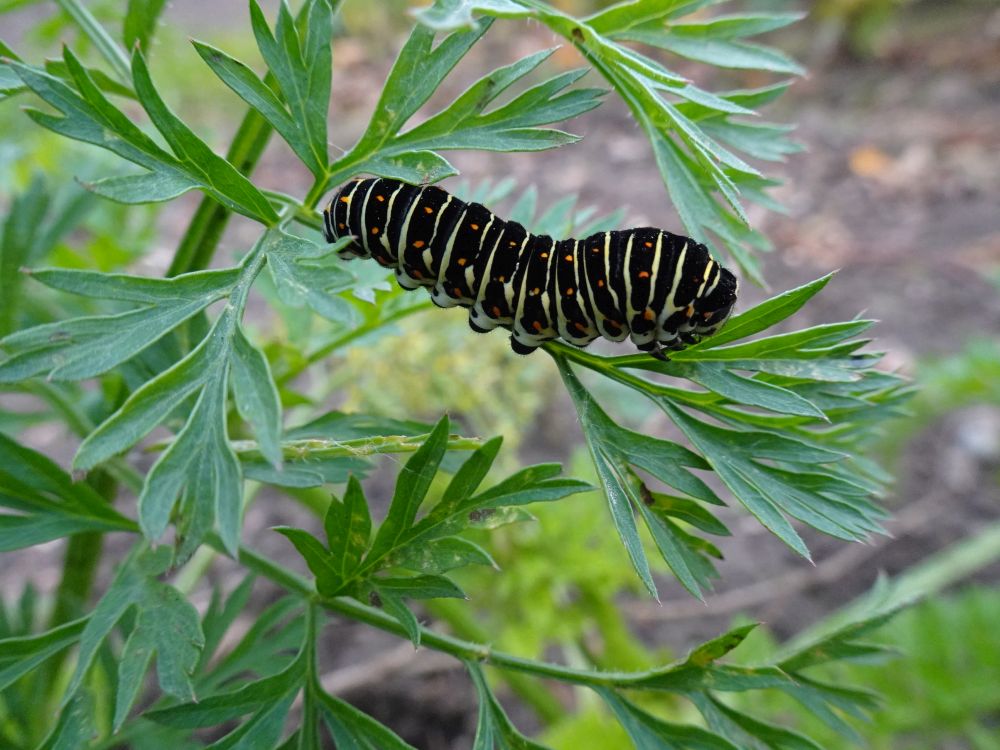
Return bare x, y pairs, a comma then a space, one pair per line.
136, 366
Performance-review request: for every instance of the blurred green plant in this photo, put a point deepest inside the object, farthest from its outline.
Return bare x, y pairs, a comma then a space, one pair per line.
781, 420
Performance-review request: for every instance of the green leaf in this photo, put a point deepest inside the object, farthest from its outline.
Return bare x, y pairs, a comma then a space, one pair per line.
220, 616
396, 607
720, 52
221, 176
20, 656
47, 504
768, 492
745, 730
649, 732
419, 587
201, 468
353, 730
418, 71
455, 14
749, 391
88, 116
678, 142
625, 15
275, 632
762, 316
302, 69
141, 18
411, 488
256, 395
76, 726
337, 425
469, 476
21, 240
155, 400
167, 628
440, 555
683, 552
305, 471
348, 527
615, 451
317, 557
149, 187
84, 347
465, 123
165, 622
302, 278
418, 167
248, 698
263, 729
494, 730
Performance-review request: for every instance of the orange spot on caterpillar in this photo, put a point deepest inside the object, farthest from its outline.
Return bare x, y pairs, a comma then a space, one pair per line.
580, 326
345, 199
600, 283
495, 311
569, 291
537, 325
535, 291
649, 315
502, 279
374, 230
341, 225
380, 198
689, 311
419, 244
457, 292
417, 275
462, 261
428, 210
643, 274
595, 249
569, 258
648, 244
543, 256
474, 227
512, 243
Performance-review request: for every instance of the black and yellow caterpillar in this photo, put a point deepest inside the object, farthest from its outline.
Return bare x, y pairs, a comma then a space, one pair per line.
662, 289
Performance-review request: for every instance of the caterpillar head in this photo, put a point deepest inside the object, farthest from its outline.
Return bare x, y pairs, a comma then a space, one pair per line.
713, 310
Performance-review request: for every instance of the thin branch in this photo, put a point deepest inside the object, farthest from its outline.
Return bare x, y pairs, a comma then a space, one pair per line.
108, 47
460, 649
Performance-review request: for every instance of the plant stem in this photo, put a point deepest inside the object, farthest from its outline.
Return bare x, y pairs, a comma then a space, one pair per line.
544, 703
107, 46
209, 221
322, 448
461, 649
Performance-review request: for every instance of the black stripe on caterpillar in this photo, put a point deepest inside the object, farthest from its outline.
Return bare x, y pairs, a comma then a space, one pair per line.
661, 289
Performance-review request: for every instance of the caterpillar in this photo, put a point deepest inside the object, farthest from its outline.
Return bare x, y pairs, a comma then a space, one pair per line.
663, 290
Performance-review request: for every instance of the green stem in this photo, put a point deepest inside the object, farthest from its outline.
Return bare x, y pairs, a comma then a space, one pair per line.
107, 46
322, 448
611, 369
461, 649
309, 733
326, 349
547, 707
198, 244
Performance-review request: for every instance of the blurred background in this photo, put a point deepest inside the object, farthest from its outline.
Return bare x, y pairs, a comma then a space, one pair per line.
897, 185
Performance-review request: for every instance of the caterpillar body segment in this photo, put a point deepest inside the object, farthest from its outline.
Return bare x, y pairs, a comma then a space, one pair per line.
659, 289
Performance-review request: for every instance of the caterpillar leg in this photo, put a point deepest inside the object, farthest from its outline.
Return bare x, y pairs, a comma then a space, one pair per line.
519, 347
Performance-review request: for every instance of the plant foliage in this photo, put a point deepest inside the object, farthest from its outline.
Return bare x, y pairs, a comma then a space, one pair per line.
775, 421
